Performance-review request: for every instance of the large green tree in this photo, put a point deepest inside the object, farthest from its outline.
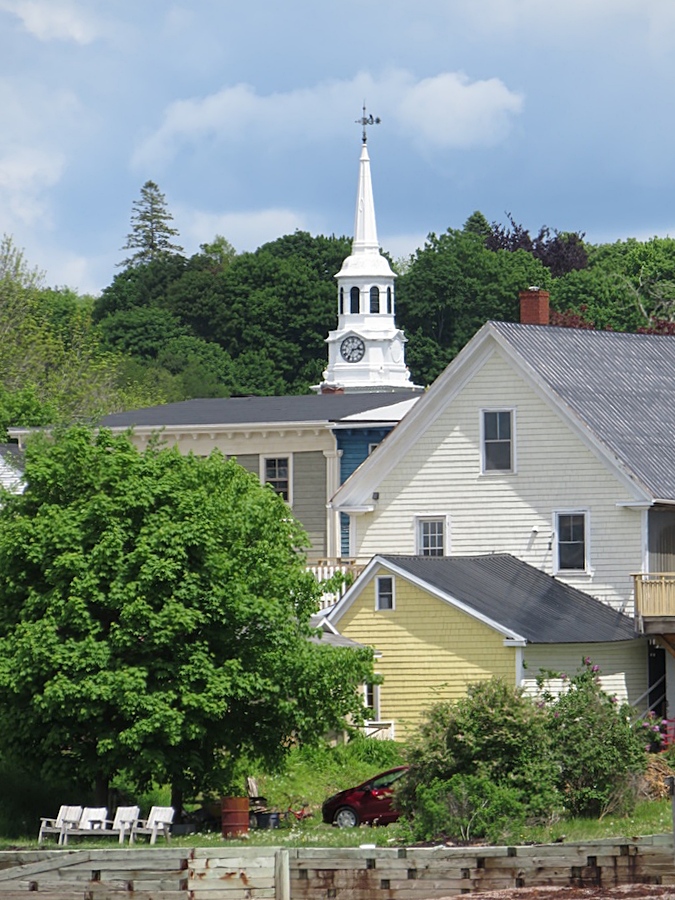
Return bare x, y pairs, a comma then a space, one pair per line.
453, 285
52, 364
154, 619
151, 231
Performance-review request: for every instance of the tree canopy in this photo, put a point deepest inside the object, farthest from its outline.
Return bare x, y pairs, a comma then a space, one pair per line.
154, 619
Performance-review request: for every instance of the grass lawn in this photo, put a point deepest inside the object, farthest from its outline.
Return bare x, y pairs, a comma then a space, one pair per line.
311, 776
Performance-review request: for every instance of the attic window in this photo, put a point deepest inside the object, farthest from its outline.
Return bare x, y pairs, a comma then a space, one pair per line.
384, 592
571, 541
497, 440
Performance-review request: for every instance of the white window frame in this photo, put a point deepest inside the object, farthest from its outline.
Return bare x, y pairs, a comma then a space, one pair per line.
577, 511
263, 472
378, 579
513, 468
420, 520
372, 447
374, 691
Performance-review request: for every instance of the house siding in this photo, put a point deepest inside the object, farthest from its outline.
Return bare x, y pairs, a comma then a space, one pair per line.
353, 444
309, 485
623, 667
508, 513
430, 651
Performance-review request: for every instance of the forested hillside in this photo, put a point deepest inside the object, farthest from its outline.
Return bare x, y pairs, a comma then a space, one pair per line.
221, 323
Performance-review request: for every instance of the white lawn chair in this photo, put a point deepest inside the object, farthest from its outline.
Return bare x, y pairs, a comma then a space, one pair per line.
158, 822
126, 817
91, 824
68, 817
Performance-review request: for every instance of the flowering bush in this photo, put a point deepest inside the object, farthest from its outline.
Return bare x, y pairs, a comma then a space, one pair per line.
596, 745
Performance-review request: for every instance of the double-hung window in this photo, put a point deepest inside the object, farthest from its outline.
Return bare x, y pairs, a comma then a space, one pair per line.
497, 427
384, 592
431, 536
571, 541
276, 472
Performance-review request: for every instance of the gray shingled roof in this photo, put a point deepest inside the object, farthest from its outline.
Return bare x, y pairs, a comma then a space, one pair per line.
622, 386
250, 410
508, 591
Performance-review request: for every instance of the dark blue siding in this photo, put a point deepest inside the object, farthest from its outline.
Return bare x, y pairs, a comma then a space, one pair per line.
354, 443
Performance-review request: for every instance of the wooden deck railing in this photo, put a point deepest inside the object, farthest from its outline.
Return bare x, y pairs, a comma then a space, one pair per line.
326, 568
655, 595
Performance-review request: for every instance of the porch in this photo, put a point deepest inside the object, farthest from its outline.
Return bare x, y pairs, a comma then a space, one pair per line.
655, 603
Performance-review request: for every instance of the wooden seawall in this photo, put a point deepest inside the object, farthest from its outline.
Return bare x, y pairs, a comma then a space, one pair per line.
364, 873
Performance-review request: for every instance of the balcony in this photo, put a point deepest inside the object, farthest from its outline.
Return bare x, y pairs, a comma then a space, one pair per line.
326, 568
655, 602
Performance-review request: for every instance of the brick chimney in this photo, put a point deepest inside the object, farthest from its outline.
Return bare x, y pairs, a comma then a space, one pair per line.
534, 306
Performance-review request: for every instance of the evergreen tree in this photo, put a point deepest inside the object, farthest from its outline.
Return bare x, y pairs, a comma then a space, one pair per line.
151, 231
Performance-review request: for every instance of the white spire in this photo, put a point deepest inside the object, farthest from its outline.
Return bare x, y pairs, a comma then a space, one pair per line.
365, 228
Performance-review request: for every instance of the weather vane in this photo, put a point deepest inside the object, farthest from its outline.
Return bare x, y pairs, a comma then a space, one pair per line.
367, 120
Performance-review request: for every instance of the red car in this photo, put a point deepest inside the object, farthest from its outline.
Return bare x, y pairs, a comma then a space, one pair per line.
367, 803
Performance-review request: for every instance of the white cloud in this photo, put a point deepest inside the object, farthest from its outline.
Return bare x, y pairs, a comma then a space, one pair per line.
448, 110
246, 231
26, 173
451, 111
49, 20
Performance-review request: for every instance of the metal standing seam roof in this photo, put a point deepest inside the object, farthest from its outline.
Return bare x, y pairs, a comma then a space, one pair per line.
621, 385
252, 410
514, 594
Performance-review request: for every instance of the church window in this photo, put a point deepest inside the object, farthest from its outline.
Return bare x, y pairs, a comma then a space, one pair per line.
374, 299
342, 301
355, 300
390, 301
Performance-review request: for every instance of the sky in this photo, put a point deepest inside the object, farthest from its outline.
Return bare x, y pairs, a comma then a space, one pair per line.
558, 112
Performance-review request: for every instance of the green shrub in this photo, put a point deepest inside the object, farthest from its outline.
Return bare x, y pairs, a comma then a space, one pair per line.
597, 748
495, 734
467, 807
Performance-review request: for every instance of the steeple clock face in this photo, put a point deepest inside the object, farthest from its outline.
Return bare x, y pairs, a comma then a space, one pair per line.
352, 349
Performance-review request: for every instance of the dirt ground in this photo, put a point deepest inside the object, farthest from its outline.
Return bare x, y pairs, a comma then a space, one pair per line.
623, 892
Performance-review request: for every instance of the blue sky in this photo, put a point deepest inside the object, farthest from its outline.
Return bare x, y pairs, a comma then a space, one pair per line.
558, 111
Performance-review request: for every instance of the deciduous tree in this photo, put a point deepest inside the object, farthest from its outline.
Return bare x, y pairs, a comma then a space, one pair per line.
154, 618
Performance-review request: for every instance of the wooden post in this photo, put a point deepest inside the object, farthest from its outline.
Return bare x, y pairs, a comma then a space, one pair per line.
670, 784
282, 875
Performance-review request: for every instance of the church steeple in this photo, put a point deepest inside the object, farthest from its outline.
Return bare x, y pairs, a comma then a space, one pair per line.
366, 352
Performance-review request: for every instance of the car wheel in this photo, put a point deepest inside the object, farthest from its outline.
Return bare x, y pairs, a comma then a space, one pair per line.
346, 817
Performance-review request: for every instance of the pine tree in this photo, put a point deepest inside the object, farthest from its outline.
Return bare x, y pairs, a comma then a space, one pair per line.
151, 231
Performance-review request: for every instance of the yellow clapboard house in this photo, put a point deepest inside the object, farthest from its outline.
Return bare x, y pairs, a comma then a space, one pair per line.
438, 624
